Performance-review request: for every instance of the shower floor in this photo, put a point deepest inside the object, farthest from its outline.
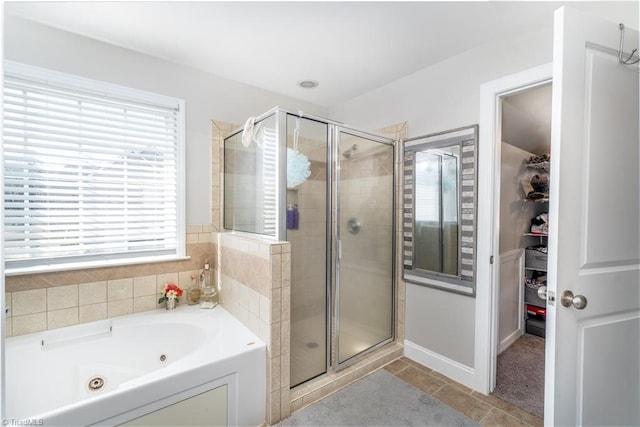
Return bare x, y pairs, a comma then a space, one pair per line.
308, 351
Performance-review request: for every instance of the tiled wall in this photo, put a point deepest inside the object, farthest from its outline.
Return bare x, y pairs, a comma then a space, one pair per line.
38, 302
255, 286
254, 276
398, 132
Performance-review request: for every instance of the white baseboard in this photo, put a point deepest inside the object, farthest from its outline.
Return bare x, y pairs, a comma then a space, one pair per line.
463, 374
510, 340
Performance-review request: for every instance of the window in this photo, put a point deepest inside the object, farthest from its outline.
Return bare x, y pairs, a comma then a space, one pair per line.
93, 173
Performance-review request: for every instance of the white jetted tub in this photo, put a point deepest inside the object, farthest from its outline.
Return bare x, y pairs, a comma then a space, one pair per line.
187, 366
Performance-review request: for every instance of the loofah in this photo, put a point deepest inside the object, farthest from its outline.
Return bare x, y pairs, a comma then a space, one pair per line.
298, 168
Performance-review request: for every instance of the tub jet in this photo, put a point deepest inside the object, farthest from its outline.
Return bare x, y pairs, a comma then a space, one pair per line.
96, 383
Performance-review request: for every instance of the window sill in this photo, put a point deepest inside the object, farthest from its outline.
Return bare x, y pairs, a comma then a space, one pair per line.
55, 268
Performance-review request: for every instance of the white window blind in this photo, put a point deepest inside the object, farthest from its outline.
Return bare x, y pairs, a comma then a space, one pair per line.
92, 172
269, 181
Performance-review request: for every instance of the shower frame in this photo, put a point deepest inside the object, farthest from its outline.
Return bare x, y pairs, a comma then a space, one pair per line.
332, 256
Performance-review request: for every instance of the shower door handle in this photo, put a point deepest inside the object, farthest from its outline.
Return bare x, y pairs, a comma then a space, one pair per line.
339, 249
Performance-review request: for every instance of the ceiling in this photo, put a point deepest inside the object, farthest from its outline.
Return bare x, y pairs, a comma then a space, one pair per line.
526, 119
350, 48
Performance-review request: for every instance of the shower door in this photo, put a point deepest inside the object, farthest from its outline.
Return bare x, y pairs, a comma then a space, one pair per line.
307, 230
364, 244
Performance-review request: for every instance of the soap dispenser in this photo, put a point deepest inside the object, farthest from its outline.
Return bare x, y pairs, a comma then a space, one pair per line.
208, 292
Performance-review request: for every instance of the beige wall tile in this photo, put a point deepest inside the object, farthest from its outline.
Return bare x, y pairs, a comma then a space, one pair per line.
119, 289
144, 303
286, 269
145, 285
276, 305
285, 336
286, 303
285, 402
7, 303
276, 270
92, 293
194, 228
275, 343
8, 327
29, 323
62, 297
92, 312
275, 373
62, 318
265, 309
120, 307
254, 303
29, 302
285, 370
275, 407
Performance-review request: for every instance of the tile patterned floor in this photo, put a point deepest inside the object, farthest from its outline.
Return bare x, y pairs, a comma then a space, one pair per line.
486, 410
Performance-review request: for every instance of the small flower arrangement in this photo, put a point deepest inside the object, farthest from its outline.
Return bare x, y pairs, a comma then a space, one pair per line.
171, 292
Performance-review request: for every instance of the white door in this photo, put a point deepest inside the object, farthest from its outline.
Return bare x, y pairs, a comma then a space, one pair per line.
593, 354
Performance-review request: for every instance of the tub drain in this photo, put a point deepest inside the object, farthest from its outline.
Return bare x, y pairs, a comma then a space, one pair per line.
95, 383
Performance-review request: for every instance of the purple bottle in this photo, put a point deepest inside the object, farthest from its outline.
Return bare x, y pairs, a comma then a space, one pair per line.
291, 217
296, 217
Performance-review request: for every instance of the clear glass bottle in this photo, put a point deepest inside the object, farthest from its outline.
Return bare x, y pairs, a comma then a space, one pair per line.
208, 292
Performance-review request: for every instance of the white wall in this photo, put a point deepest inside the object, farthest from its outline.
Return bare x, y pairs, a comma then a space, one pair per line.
447, 96
441, 97
515, 214
207, 97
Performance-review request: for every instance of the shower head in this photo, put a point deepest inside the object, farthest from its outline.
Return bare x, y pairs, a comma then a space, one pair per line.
347, 154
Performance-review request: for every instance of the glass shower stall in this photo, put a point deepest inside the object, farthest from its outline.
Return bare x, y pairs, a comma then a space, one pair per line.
327, 189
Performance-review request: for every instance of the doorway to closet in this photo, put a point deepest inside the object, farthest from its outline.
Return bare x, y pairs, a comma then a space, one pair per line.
525, 132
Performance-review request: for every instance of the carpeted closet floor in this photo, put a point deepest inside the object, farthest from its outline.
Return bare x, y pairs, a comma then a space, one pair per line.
520, 374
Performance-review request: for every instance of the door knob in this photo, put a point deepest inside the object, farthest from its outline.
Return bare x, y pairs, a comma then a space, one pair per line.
578, 301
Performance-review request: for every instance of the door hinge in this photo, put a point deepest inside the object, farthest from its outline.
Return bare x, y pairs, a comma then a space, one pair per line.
491, 259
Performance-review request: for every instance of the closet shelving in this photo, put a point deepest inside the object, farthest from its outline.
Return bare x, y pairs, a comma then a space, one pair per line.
535, 264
